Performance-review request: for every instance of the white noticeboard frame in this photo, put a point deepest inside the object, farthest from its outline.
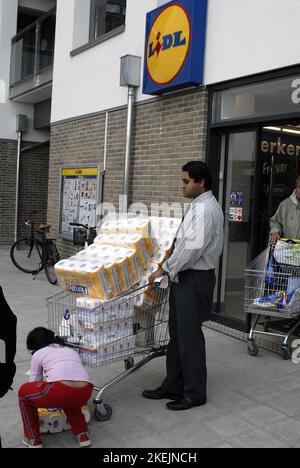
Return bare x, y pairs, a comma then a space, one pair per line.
80, 194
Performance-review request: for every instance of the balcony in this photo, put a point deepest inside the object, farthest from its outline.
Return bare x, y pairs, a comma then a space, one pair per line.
32, 55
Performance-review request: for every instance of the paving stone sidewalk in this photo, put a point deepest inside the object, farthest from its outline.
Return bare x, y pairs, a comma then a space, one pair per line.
252, 402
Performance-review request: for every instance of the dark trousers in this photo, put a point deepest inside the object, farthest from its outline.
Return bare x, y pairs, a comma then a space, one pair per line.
191, 302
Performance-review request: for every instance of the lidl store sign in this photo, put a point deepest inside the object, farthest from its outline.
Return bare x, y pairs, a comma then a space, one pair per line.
174, 46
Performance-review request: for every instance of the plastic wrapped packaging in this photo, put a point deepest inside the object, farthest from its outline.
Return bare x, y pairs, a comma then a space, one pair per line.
55, 422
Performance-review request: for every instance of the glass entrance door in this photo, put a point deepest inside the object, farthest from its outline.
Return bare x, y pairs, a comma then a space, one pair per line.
258, 169
237, 179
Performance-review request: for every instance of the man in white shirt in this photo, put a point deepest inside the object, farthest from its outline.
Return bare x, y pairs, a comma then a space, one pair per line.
191, 268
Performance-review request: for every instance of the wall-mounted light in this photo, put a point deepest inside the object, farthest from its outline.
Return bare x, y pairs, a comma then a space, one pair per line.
287, 130
275, 129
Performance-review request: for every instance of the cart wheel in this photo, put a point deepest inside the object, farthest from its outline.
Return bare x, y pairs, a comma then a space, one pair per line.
103, 416
286, 354
129, 363
253, 348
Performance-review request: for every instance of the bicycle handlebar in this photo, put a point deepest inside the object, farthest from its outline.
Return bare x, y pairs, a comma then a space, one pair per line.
79, 225
85, 226
29, 220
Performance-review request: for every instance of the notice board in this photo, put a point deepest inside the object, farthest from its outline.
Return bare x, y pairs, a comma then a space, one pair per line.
79, 197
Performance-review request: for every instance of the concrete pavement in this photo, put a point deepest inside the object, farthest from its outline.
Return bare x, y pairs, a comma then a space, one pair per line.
252, 402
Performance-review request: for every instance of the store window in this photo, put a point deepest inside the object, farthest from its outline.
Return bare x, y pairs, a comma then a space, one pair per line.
106, 16
269, 98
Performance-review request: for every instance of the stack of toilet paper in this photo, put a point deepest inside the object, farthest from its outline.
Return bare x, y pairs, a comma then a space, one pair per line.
106, 335
107, 353
128, 225
123, 256
55, 420
134, 241
134, 232
120, 257
149, 297
100, 271
93, 313
164, 229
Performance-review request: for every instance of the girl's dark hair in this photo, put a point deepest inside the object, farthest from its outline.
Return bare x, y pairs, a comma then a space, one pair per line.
198, 171
41, 337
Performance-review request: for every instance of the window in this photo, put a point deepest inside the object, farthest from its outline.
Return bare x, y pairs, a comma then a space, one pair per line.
26, 17
268, 98
106, 16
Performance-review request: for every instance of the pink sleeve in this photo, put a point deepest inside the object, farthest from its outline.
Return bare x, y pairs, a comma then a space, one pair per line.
36, 370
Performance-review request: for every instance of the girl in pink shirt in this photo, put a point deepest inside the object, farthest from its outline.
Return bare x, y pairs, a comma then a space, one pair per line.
57, 380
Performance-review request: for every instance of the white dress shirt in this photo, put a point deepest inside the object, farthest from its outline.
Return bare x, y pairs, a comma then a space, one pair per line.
199, 241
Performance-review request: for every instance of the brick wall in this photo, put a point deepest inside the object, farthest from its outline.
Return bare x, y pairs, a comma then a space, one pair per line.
8, 163
168, 132
33, 194
77, 142
34, 167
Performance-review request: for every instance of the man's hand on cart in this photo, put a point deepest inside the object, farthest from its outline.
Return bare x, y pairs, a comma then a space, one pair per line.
157, 274
274, 237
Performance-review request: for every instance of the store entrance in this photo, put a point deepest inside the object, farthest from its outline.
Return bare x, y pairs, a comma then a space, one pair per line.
257, 170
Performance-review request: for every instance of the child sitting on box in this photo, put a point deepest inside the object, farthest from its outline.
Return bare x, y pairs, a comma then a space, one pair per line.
67, 386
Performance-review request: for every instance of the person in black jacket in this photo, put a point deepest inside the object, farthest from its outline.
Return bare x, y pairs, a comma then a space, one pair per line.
8, 330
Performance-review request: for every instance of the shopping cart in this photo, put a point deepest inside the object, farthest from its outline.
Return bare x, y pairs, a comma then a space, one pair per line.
135, 324
272, 289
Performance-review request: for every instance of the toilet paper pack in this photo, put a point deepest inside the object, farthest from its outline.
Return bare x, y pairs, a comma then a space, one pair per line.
70, 329
55, 422
93, 358
134, 241
103, 271
85, 277
104, 335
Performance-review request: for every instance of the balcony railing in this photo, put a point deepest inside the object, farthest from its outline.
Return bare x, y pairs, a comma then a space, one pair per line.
32, 55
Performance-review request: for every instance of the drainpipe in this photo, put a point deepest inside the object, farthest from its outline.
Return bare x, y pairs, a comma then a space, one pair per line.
102, 175
130, 78
130, 112
20, 128
17, 185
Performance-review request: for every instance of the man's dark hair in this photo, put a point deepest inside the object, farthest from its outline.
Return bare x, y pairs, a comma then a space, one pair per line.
41, 337
198, 171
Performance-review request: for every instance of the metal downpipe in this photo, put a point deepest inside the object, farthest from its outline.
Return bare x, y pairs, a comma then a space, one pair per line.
131, 101
17, 185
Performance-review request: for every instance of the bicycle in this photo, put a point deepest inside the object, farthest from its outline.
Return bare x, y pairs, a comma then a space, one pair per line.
83, 234
36, 252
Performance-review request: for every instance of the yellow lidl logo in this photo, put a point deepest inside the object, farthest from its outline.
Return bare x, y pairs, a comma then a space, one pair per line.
168, 44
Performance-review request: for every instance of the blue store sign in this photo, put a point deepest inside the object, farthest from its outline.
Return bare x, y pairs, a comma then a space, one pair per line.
174, 46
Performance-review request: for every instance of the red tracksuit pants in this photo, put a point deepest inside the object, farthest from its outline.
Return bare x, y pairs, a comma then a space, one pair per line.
34, 395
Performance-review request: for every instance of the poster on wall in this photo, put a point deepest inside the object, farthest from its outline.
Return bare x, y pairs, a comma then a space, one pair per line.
236, 215
79, 198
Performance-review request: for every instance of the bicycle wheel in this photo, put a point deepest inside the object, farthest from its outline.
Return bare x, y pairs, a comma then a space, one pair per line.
26, 255
52, 257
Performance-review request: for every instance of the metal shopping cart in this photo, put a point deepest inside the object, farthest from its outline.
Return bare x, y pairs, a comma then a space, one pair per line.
132, 325
272, 289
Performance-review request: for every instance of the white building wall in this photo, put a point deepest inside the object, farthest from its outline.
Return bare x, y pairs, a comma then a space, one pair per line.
243, 38
248, 37
89, 81
8, 109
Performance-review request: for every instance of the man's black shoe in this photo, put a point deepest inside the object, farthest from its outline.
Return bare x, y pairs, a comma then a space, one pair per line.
184, 404
159, 394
